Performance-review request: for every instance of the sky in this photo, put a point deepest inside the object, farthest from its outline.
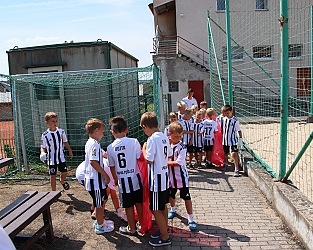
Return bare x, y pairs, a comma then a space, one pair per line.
126, 23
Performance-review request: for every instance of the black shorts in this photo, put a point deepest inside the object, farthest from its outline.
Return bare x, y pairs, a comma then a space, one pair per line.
61, 167
197, 149
189, 149
130, 199
184, 193
158, 200
98, 197
232, 149
208, 148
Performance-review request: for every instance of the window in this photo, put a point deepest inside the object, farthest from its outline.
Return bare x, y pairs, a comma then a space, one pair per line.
220, 5
303, 81
261, 5
294, 51
173, 86
263, 52
236, 53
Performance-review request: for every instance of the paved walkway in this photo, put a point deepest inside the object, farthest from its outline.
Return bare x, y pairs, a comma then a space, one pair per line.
230, 211
231, 214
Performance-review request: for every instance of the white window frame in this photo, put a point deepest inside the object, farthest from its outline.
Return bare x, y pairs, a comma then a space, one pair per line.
295, 57
237, 51
264, 58
261, 5
218, 4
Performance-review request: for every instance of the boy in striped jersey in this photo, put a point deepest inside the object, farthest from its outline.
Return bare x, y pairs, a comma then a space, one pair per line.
178, 174
231, 143
181, 106
209, 128
188, 130
156, 151
197, 141
172, 117
122, 155
53, 141
96, 178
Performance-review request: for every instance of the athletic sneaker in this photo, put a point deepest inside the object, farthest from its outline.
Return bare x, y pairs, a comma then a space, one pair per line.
121, 215
236, 173
192, 226
105, 228
105, 222
125, 230
160, 242
157, 234
171, 214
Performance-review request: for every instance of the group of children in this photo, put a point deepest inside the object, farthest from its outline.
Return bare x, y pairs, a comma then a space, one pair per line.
166, 169
190, 131
199, 129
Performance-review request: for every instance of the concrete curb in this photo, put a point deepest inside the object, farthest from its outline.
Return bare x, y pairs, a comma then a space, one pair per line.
291, 205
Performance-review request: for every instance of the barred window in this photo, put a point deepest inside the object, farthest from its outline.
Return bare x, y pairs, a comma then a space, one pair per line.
220, 5
236, 53
295, 51
261, 5
263, 52
173, 86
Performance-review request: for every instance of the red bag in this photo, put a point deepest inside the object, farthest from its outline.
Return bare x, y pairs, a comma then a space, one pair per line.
218, 149
146, 224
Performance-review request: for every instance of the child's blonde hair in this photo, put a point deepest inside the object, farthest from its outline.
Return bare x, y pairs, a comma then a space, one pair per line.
149, 119
194, 108
199, 112
172, 115
181, 104
93, 124
204, 103
203, 112
176, 127
210, 112
50, 115
188, 111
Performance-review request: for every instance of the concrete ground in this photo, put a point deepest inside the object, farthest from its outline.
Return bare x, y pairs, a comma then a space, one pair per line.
230, 211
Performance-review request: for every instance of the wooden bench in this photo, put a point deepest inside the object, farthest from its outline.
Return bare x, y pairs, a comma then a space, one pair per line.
20, 213
5, 162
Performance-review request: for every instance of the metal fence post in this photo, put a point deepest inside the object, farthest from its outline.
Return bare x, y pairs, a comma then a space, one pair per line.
284, 66
229, 55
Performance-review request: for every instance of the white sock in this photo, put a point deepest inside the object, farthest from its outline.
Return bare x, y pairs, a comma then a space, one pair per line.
173, 209
236, 169
119, 210
190, 217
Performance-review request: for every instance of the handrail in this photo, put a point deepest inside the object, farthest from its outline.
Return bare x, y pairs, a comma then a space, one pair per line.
178, 38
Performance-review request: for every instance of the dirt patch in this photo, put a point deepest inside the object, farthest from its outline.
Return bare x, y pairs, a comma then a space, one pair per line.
72, 225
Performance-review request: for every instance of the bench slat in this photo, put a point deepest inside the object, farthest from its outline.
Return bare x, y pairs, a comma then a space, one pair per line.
15, 204
31, 212
5, 162
19, 211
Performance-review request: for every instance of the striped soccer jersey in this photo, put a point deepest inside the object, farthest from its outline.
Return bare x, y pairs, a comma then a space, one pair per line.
230, 127
93, 179
53, 141
220, 121
180, 116
179, 174
158, 151
209, 127
123, 154
198, 139
187, 126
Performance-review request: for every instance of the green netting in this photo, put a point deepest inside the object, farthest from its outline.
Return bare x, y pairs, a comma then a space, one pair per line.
256, 41
76, 97
6, 124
